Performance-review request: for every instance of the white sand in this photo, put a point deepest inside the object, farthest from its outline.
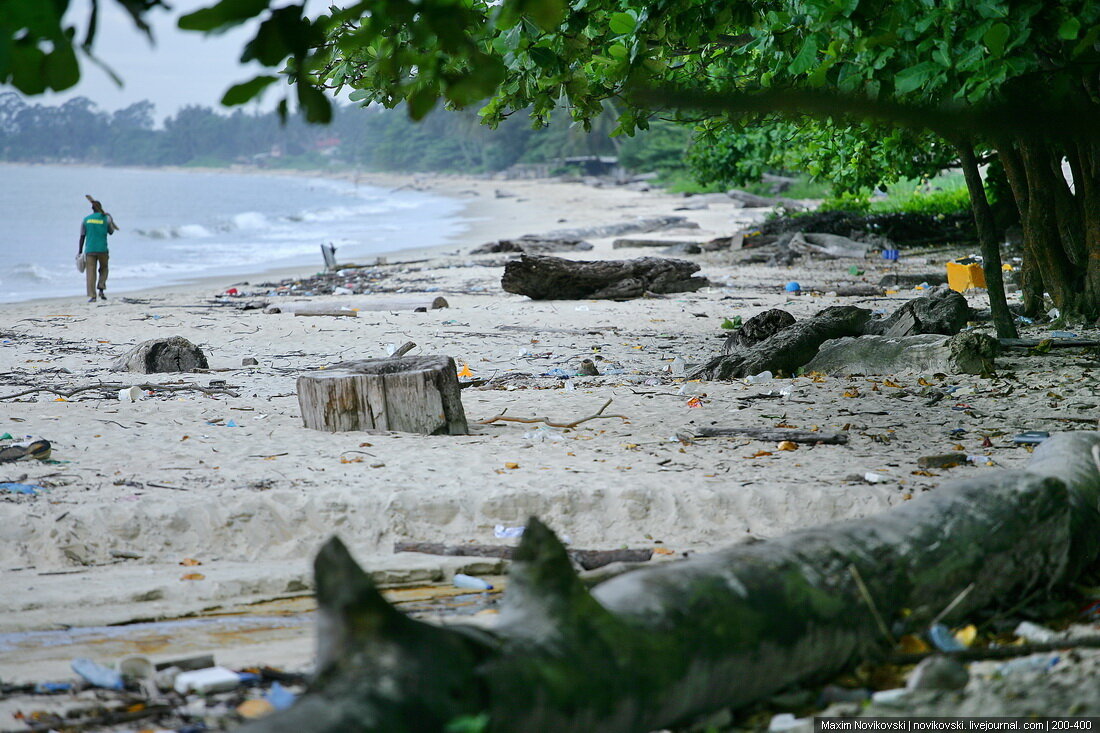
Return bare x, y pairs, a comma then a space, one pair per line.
142, 486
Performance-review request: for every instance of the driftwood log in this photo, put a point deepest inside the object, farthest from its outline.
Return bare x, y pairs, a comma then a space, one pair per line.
587, 559
415, 394
662, 646
776, 435
787, 348
554, 278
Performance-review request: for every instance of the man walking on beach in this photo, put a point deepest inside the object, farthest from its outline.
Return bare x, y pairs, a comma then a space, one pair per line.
93, 244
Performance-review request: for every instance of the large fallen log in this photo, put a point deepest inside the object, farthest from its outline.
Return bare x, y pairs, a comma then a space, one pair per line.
789, 347
659, 647
554, 278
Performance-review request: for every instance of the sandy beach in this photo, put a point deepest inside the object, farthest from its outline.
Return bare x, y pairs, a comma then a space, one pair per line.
232, 480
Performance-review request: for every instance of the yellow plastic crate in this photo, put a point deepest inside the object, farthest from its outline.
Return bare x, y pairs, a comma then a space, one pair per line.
963, 277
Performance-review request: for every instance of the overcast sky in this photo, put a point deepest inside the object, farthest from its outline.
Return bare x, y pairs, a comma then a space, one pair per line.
182, 68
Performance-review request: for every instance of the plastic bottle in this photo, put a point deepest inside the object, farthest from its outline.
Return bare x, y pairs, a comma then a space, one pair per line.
96, 674
461, 580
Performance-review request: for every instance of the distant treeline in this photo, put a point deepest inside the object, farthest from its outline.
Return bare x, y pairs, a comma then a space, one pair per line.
375, 139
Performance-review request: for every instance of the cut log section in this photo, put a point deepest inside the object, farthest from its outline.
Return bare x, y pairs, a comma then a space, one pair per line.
554, 278
414, 394
342, 307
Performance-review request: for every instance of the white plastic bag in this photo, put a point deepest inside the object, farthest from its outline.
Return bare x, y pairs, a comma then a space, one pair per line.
80, 263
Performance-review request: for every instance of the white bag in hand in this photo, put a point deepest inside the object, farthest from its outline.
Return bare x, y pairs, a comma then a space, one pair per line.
80, 263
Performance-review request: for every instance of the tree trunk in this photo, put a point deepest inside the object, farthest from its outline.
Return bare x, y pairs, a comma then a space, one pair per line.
660, 647
553, 278
1061, 226
1003, 320
415, 394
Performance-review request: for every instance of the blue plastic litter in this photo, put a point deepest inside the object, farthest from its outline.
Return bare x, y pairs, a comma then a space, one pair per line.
1062, 335
890, 254
248, 678
48, 688
942, 638
97, 675
231, 424
559, 372
28, 489
280, 697
793, 287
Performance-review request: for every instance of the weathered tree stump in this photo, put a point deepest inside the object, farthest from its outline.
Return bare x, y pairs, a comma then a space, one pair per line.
174, 354
414, 394
554, 278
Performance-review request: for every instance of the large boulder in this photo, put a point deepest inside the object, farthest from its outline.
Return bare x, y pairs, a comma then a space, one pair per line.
964, 353
173, 354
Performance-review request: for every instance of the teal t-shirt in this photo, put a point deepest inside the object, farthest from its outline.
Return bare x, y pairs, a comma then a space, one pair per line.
95, 233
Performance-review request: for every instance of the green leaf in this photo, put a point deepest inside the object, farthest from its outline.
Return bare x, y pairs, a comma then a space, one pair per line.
225, 14
60, 67
1069, 29
995, 38
914, 77
247, 90
359, 94
805, 58
314, 103
622, 23
421, 102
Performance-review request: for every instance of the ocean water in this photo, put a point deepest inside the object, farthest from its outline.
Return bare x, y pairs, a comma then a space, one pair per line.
176, 226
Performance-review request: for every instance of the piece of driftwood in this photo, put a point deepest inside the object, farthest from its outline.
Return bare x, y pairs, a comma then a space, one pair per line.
415, 394
776, 435
172, 354
866, 290
751, 200
330, 312
661, 646
1055, 343
553, 278
502, 417
532, 244
629, 242
110, 389
350, 307
828, 245
587, 559
789, 348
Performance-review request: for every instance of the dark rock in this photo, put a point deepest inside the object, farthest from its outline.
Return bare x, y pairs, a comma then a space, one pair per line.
174, 354
938, 673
